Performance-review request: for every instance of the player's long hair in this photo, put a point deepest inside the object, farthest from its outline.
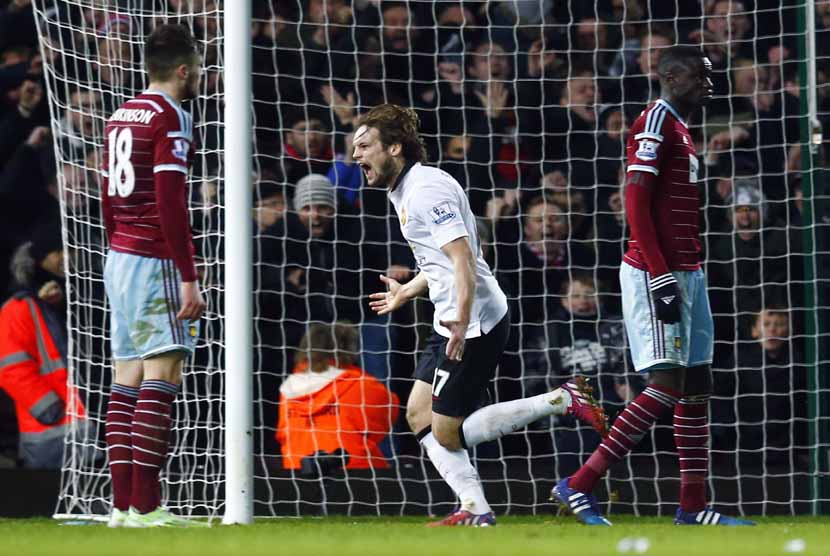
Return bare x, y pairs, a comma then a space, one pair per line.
168, 47
324, 343
397, 124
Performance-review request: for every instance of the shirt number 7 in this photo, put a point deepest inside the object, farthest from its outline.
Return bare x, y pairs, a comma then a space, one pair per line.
439, 381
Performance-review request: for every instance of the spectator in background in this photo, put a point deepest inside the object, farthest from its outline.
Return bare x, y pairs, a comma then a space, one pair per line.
536, 263
746, 267
77, 127
27, 113
17, 24
320, 273
493, 117
579, 339
641, 84
329, 405
571, 127
33, 350
764, 399
307, 149
25, 197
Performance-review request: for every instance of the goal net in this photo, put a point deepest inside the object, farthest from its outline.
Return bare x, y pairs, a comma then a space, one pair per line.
527, 105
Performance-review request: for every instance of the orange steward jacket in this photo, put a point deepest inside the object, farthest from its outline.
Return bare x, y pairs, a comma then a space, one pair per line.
32, 365
337, 408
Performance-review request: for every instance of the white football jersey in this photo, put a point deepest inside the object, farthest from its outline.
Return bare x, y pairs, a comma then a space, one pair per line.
433, 210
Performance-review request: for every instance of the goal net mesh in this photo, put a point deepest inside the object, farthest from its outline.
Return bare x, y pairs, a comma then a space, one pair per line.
527, 105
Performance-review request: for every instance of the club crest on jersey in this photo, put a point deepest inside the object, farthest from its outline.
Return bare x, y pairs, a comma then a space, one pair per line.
441, 213
403, 217
647, 149
180, 149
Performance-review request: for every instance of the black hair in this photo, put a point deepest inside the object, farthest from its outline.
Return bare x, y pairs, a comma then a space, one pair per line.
677, 58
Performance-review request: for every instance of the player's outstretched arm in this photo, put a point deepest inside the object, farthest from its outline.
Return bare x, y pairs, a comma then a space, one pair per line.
663, 286
396, 294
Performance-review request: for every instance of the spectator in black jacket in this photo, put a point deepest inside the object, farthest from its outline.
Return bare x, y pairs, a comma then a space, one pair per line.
761, 395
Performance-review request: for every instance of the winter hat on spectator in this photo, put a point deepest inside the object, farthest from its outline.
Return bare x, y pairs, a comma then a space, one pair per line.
747, 194
46, 239
314, 189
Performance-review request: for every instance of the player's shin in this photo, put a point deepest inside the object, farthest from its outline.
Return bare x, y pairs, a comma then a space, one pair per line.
120, 412
691, 436
628, 429
457, 470
151, 431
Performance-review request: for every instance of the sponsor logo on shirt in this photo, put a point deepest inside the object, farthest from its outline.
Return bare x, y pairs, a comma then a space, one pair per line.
441, 213
647, 150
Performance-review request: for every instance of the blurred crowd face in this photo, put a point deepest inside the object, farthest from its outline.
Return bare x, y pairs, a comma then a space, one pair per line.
490, 62
653, 45
53, 263
317, 219
269, 211
457, 147
591, 34
309, 138
581, 299
82, 111
396, 31
581, 96
728, 21
75, 188
773, 329
746, 219
545, 221
746, 78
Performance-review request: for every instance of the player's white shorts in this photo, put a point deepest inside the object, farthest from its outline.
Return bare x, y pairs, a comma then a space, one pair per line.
687, 343
144, 296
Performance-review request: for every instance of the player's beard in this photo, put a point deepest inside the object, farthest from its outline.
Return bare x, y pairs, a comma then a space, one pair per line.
191, 86
386, 173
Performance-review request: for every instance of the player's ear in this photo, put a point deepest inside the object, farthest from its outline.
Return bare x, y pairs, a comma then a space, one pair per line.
395, 149
183, 71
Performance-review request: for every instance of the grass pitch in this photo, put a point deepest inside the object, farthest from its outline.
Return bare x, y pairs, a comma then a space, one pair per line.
340, 536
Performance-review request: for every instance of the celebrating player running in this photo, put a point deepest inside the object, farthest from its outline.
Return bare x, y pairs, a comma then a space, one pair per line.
471, 318
665, 307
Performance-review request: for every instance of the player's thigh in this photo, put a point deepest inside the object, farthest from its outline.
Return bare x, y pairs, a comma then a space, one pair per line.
654, 345
151, 302
118, 294
419, 406
702, 326
129, 372
166, 367
460, 387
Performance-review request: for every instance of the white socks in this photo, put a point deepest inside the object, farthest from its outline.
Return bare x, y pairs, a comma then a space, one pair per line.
457, 470
497, 420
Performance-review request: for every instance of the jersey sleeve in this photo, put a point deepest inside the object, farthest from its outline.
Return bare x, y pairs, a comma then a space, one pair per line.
648, 146
173, 143
440, 211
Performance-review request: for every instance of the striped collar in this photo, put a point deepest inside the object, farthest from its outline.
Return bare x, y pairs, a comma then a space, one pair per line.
167, 97
673, 110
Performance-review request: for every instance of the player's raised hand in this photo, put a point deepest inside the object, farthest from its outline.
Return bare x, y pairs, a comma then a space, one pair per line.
667, 298
193, 304
458, 337
386, 302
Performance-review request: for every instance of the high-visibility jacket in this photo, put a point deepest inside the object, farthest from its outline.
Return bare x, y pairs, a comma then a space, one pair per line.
337, 408
32, 365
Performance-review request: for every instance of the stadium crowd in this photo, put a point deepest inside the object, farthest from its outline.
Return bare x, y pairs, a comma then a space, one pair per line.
526, 104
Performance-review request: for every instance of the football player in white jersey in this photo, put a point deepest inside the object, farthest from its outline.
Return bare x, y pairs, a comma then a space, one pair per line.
471, 322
